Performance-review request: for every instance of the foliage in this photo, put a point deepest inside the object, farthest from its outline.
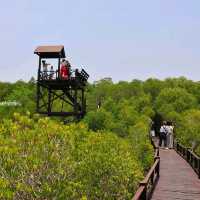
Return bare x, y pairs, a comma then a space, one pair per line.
42, 159
188, 130
175, 99
103, 157
99, 120
20, 92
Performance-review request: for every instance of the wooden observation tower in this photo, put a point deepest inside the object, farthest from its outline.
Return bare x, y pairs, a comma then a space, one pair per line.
59, 95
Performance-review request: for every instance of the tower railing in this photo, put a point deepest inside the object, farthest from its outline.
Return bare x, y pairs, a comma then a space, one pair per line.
54, 75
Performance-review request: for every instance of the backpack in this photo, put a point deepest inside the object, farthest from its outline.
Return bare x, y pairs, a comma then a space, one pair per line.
165, 130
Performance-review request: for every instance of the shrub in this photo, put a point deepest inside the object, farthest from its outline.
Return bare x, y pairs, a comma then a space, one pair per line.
46, 160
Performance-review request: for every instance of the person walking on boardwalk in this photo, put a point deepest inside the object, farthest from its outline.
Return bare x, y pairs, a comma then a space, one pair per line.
170, 135
163, 135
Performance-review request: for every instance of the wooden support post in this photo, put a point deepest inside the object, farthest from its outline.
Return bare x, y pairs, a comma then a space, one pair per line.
49, 101
39, 68
82, 102
152, 177
144, 193
38, 98
59, 68
188, 155
158, 170
38, 86
196, 163
75, 103
199, 168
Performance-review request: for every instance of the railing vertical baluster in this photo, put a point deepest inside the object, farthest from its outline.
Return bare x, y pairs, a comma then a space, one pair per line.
199, 168
196, 164
184, 152
181, 151
189, 156
144, 193
152, 177
193, 162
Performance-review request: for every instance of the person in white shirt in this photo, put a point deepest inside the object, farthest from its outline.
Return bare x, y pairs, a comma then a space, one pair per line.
163, 135
45, 69
51, 74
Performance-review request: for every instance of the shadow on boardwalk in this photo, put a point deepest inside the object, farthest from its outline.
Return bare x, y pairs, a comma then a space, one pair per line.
177, 179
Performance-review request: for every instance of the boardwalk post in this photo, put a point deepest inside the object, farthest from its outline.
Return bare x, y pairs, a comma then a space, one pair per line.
146, 186
152, 177
188, 155
144, 193
158, 170
199, 168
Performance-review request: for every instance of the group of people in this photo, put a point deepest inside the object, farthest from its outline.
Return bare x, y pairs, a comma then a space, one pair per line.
166, 135
65, 70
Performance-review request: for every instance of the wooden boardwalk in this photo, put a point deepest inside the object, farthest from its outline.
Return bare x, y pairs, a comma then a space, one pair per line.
177, 179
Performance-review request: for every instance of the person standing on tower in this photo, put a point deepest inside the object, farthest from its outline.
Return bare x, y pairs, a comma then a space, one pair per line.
45, 69
63, 70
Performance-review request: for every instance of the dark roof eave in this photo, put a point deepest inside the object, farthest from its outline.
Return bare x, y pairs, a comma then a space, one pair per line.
50, 51
49, 55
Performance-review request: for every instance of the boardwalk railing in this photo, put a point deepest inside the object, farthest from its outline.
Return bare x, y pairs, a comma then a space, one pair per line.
146, 186
189, 156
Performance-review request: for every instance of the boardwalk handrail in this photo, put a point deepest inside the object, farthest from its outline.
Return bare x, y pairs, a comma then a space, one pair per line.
147, 185
189, 156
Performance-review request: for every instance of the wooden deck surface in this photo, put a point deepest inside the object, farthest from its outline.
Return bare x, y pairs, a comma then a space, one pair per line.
177, 179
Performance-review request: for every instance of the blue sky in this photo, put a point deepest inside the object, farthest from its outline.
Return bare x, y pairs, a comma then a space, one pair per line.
120, 39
